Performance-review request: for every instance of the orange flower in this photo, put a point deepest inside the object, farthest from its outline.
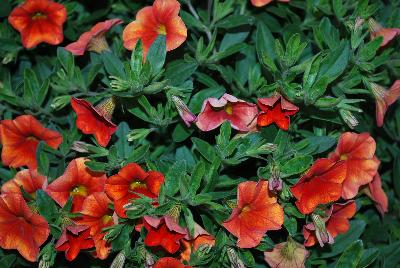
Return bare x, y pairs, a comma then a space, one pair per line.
357, 151
160, 19
191, 244
20, 228
130, 181
336, 222
384, 98
169, 262
288, 254
73, 239
377, 30
377, 194
93, 40
29, 180
39, 21
20, 138
260, 3
97, 215
321, 184
77, 181
256, 213
95, 120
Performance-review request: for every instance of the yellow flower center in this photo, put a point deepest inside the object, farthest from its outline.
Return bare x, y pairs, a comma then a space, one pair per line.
137, 184
31, 138
79, 190
228, 108
162, 30
344, 157
244, 210
39, 16
106, 219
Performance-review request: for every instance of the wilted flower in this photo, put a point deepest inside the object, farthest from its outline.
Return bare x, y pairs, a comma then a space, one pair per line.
384, 98
288, 254
378, 30
187, 116
377, 194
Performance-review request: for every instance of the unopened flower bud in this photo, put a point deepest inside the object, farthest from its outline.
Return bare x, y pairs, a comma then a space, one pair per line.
60, 102
321, 232
236, 262
138, 134
348, 118
119, 260
80, 146
187, 116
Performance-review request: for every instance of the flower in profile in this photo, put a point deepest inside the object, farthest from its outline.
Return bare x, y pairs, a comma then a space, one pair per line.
321, 184
93, 40
336, 222
29, 180
288, 254
20, 138
200, 238
163, 232
256, 213
214, 112
169, 262
384, 98
377, 30
160, 19
77, 181
260, 3
95, 120
276, 109
39, 21
184, 112
20, 228
74, 238
97, 215
357, 152
377, 194
130, 181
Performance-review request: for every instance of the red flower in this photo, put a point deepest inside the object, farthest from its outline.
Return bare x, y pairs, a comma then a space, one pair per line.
77, 181
260, 3
95, 120
39, 21
337, 222
20, 228
160, 19
357, 151
130, 181
169, 262
384, 98
276, 110
29, 180
20, 138
256, 213
377, 194
93, 40
191, 244
321, 184
227, 108
97, 215
377, 30
288, 254
73, 239
164, 232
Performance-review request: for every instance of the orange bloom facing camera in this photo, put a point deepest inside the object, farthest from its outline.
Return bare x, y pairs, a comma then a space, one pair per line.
39, 21
160, 19
29, 180
20, 138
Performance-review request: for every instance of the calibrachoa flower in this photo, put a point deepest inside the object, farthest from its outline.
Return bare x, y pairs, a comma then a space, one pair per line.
276, 109
357, 152
191, 244
384, 98
93, 40
214, 112
97, 215
336, 222
20, 228
20, 138
288, 254
130, 181
256, 213
39, 21
160, 19
29, 180
74, 238
376, 193
77, 181
260, 3
321, 184
377, 30
169, 262
95, 120
163, 232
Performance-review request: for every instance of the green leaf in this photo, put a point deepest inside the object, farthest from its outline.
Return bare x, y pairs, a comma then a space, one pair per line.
122, 145
335, 63
8, 260
139, 154
197, 175
179, 71
235, 20
181, 132
174, 176
368, 257
265, 43
43, 163
189, 220
157, 53
46, 206
351, 256
205, 149
66, 59
113, 64
137, 58
296, 165
396, 175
